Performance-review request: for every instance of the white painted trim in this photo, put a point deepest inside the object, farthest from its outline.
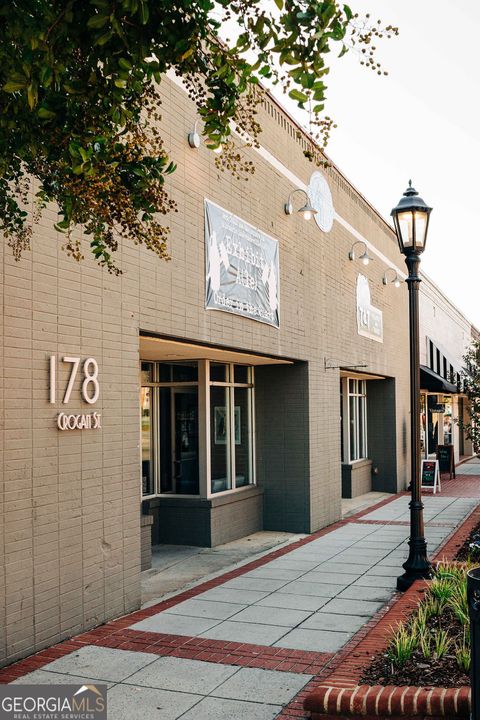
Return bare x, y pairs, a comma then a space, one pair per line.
283, 170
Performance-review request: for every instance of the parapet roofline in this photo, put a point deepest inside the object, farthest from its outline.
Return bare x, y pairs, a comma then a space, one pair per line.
312, 140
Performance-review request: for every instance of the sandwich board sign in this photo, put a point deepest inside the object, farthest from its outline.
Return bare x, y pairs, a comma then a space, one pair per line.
430, 476
446, 459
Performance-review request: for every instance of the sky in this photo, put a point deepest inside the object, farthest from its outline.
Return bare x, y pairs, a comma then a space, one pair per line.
422, 121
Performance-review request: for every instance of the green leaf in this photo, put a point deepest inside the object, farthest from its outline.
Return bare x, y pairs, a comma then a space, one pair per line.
97, 21
15, 82
32, 95
279, 4
298, 95
103, 39
46, 114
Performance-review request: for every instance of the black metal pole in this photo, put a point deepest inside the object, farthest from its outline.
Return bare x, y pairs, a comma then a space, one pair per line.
417, 565
473, 596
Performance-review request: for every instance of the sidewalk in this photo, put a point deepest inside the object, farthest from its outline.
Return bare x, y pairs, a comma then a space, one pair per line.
244, 644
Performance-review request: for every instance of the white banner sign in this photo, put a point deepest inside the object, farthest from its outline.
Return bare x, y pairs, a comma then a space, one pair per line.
369, 318
242, 274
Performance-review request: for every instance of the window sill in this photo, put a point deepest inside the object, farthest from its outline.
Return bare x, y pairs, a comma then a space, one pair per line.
224, 498
358, 463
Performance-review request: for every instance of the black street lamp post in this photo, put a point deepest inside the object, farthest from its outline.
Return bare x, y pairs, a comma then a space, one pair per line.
410, 218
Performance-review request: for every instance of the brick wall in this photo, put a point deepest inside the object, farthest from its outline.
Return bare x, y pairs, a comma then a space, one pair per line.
70, 501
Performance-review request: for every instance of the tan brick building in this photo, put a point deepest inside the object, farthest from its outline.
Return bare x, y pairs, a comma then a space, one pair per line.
243, 425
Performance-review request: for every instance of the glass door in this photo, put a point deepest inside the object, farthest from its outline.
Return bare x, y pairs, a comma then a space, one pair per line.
184, 447
435, 424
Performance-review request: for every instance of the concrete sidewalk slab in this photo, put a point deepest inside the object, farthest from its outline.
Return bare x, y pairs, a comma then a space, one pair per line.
254, 633
271, 616
100, 663
211, 609
140, 703
300, 602
182, 675
211, 708
314, 640
263, 685
333, 622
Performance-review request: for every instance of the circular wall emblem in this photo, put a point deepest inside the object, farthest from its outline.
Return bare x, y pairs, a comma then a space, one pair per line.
321, 199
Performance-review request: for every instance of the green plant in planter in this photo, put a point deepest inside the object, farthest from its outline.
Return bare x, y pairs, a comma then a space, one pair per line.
441, 643
425, 643
462, 652
459, 603
421, 620
431, 607
402, 645
442, 589
449, 571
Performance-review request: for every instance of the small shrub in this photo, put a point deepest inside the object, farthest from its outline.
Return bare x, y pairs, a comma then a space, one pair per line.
441, 589
402, 645
431, 607
441, 643
459, 603
421, 619
462, 652
425, 643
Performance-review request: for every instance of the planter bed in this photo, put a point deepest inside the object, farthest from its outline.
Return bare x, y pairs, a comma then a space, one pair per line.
360, 682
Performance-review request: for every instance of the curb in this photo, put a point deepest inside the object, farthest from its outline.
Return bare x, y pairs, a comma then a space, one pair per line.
388, 701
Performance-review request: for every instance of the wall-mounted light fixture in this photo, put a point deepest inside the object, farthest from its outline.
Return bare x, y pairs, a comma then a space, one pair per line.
308, 211
395, 279
364, 257
193, 137
195, 140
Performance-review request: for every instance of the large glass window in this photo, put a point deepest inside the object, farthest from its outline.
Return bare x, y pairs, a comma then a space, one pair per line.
169, 428
174, 434
148, 486
220, 439
231, 427
355, 416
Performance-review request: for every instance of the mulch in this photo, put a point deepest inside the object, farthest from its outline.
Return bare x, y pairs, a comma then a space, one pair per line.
418, 670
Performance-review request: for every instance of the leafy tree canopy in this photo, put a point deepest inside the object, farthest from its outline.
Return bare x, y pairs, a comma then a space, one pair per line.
79, 103
471, 387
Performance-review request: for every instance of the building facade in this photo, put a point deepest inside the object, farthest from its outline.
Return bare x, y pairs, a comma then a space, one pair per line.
445, 336
248, 383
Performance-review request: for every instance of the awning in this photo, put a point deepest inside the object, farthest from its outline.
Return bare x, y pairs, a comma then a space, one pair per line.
432, 382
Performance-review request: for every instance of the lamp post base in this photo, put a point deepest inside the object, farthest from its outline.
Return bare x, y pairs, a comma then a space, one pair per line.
417, 566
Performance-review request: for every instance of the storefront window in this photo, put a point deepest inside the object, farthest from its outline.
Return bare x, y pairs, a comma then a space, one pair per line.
231, 426
170, 438
177, 372
447, 422
172, 429
243, 436
423, 425
148, 486
434, 417
357, 419
220, 439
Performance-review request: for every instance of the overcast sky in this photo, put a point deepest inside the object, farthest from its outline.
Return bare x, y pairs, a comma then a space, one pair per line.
422, 122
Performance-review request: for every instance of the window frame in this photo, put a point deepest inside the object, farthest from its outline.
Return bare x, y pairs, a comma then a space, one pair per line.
230, 383
359, 394
156, 385
203, 385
